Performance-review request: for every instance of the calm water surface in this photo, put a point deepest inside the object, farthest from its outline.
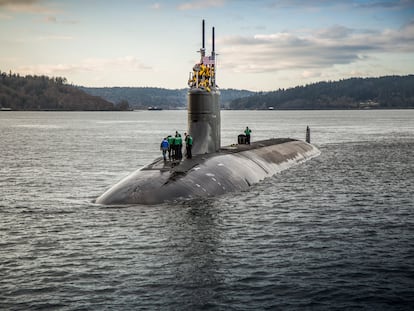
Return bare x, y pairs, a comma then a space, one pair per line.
334, 233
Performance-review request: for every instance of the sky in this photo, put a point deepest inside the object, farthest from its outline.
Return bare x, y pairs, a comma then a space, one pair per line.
262, 45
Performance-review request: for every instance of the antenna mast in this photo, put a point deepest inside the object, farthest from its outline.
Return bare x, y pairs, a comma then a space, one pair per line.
203, 46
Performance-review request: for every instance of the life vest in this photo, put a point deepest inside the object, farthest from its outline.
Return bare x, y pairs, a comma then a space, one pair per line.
171, 140
189, 140
178, 140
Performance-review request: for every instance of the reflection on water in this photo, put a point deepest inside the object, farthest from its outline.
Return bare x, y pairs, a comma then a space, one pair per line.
195, 253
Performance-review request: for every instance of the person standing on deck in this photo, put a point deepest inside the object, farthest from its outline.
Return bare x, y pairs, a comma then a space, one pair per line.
164, 148
170, 147
188, 145
247, 132
178, 144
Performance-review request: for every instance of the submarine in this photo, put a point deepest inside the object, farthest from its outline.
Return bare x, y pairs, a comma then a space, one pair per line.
213, 169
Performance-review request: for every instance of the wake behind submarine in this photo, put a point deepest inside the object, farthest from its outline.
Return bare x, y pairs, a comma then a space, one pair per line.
213, 170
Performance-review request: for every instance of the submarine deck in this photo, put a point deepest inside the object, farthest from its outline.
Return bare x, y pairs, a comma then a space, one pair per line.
180, 167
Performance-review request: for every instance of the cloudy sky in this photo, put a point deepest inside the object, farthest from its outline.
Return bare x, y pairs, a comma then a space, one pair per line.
262, 45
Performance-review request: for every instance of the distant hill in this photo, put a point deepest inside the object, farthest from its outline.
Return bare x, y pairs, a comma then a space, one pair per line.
144, 97
355, 93
44, 93
140, 97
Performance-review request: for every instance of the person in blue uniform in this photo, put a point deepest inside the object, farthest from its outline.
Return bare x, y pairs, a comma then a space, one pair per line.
164, 148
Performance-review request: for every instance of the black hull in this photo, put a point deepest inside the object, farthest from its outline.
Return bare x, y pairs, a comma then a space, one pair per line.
233, 168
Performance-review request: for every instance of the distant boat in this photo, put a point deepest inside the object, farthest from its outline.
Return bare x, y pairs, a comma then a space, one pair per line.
5, 109
154, 108
368, 104
270, 108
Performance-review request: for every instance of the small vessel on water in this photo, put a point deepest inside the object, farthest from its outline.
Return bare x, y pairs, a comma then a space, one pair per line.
154, 108
212, 170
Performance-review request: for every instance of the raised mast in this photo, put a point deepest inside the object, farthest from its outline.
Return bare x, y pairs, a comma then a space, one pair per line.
213, 58
213, 45
203, 45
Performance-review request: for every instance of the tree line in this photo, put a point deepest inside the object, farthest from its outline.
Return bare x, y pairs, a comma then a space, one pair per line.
33, 92
54, 93
389, 92
144, 97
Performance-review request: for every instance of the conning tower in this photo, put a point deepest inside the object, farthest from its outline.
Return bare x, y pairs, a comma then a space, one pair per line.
203, 102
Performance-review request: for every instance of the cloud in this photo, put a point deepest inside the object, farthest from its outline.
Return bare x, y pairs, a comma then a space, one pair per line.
53, 20
371, 4
310, 74
155, 6
124, 64
335, 32
318, 49
20, 2
50, 19
26, 6
201, 4
401, 4
5, 16
54, 37
307, 4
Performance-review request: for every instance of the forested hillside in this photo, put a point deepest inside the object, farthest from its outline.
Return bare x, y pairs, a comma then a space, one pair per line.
44, 93
144, 97
140, 97
356, 93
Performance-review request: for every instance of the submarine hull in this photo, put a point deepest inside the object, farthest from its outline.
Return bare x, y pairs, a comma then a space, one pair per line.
232, 168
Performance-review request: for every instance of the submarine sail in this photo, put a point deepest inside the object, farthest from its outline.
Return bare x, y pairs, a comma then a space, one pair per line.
204, 102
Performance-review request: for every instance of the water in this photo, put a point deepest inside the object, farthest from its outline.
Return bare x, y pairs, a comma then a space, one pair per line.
334, 233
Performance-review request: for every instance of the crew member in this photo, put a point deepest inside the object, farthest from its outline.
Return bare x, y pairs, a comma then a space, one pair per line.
164, 148
178, 144
247, 132
170, 147
188, 145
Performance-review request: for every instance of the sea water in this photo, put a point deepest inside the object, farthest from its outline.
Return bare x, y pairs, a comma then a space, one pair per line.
334, 233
